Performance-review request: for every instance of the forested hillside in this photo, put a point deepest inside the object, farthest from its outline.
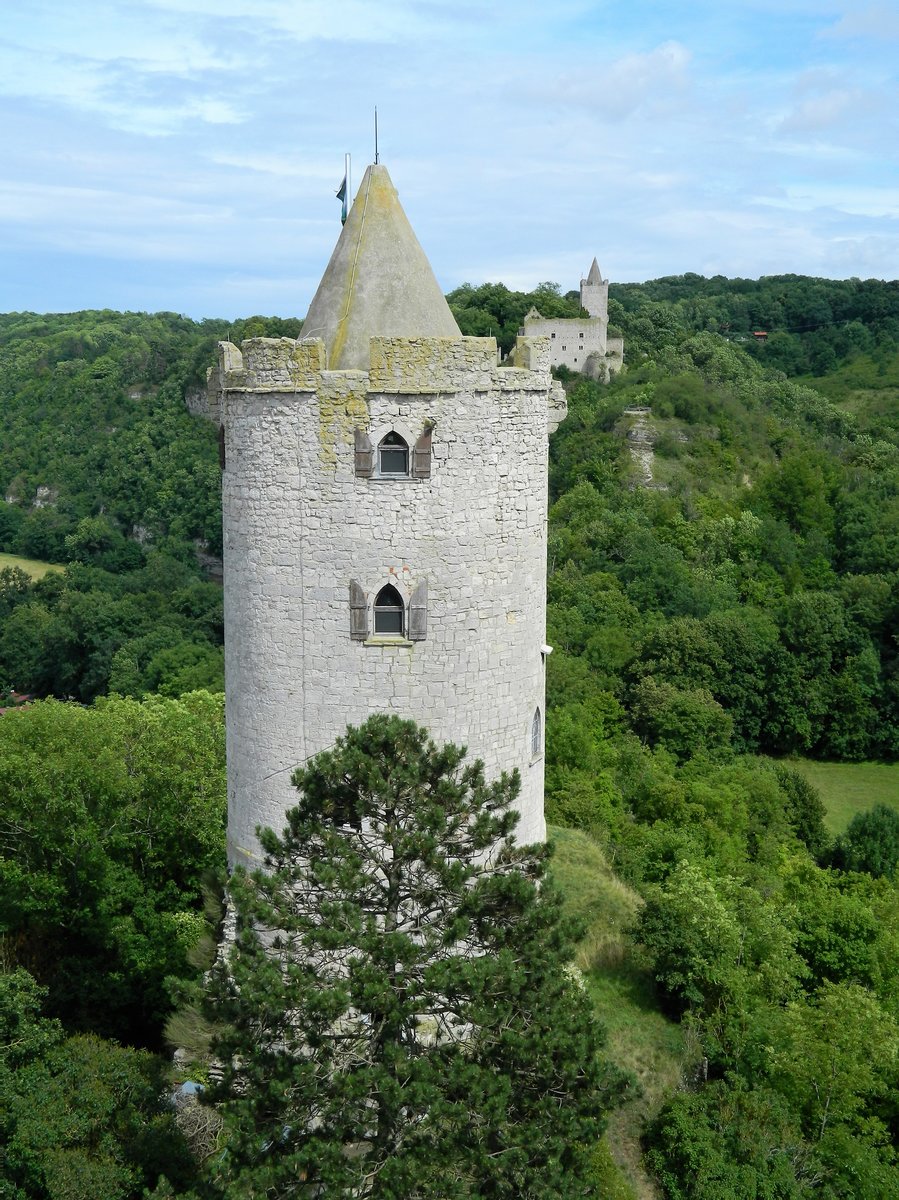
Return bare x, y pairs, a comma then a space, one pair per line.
745, 594
723, 594
740, 605
103, 468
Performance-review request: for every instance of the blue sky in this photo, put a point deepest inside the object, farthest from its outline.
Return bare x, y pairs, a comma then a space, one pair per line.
184, 154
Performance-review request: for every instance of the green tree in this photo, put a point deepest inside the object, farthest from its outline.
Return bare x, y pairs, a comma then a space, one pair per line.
683, 720
824, 1059
112, 818
80, 1118
870, 843
805, 809
693, 938
397, 1014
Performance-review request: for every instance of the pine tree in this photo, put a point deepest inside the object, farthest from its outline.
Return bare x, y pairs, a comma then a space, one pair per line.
397, 1015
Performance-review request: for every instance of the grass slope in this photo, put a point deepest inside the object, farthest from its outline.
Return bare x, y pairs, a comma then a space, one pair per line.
850, 788
31, 566
641, 1039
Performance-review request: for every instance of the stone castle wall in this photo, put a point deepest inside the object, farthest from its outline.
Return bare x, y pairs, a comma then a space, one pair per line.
300, 525
572, 340
582, 343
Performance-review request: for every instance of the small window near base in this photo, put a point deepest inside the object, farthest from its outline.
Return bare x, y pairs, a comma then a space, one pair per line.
536, 735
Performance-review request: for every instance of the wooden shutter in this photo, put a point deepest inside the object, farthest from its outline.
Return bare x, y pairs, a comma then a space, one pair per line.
418, 613
364, 454
222, 447
358, 613
421, 456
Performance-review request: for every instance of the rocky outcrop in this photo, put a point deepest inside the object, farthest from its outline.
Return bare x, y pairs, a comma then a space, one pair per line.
641, 438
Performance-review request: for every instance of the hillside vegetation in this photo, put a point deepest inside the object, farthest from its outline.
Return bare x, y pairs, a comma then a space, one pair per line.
725, 631
104, 471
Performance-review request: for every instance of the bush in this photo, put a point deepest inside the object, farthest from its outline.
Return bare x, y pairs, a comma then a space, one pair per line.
871, 843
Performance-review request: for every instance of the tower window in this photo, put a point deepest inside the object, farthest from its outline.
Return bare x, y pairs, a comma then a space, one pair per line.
536, 735
389, 612
393, 455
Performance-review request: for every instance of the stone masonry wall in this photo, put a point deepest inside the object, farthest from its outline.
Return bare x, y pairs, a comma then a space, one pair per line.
572, 341
299, 525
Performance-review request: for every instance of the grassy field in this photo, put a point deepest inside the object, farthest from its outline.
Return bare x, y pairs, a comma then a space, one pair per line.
866, 387
641, 1039
849, 788
31, 566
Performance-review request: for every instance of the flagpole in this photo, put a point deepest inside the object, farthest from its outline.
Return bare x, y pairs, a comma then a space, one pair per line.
376, 135
349, 184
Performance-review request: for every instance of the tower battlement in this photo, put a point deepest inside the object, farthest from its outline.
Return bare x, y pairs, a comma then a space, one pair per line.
397, 365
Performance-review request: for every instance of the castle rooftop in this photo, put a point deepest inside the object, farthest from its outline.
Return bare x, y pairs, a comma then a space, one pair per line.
378, 282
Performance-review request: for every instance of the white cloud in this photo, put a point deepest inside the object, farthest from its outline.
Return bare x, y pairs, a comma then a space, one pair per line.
310, 20
851, 199
53, 207
626, 85
821, 112
868, 21
282, 164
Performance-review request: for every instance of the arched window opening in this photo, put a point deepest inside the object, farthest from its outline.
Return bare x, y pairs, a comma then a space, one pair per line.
389, 612
536, 735
393, 455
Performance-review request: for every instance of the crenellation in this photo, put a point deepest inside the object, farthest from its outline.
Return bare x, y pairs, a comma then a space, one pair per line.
423, 365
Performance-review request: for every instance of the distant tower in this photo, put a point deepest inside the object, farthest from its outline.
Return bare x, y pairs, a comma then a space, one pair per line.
385, 503
595, 294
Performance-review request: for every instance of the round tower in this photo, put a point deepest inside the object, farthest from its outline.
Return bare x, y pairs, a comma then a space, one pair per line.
385, 504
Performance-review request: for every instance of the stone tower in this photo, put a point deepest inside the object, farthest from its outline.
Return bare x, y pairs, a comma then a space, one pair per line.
595, 294
385, 503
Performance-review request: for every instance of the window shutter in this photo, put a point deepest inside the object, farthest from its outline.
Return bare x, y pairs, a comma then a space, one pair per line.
418, 613
222, 447
364, 454
358, 613
421, 456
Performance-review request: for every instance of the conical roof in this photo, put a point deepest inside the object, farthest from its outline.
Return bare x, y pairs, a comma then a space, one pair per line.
594, 275
378, 282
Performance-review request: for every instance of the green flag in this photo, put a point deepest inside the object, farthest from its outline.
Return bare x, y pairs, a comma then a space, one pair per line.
341, 196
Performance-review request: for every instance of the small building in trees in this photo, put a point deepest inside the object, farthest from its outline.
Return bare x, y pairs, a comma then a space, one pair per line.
582, 343
385, 507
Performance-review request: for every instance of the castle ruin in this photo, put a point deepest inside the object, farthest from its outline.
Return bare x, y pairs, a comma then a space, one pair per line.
582, 343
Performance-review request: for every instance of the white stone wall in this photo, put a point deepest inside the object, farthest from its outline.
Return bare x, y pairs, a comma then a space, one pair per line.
299, 525
572, 340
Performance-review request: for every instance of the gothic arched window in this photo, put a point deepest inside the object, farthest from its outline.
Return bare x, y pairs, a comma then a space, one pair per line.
536, 735
390, 613
393, 455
